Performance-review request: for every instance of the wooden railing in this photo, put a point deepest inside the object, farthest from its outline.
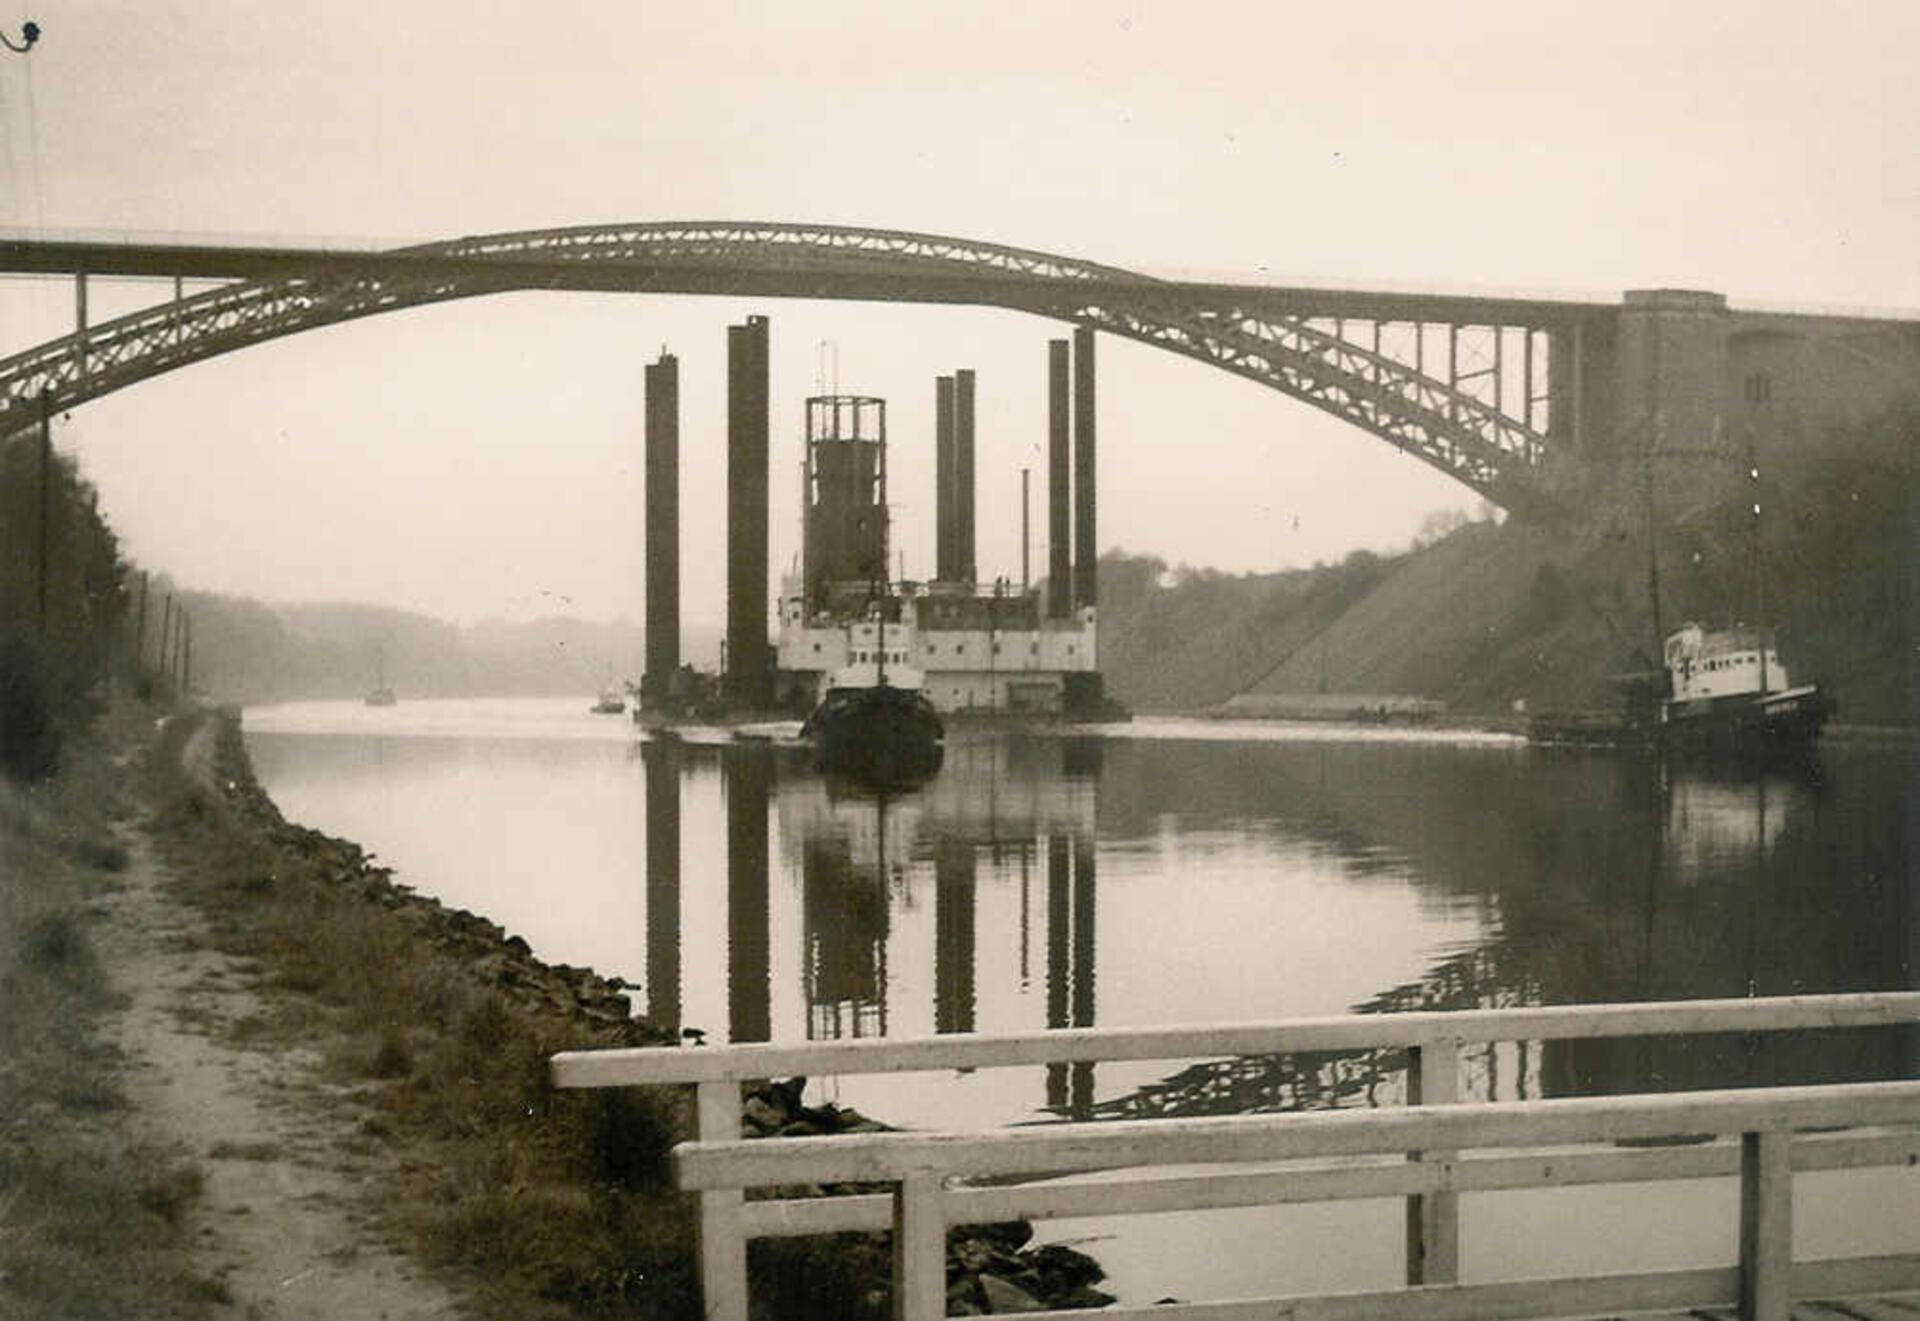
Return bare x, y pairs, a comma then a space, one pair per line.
1755, 1134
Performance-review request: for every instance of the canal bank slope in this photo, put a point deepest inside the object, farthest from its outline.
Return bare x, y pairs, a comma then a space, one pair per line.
334, 1092
1547, 615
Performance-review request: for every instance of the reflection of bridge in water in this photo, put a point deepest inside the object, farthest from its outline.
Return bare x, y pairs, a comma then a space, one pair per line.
1713, 849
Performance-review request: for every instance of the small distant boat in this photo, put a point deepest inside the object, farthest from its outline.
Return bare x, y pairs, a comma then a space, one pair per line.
876, 726
611, 702
381, 694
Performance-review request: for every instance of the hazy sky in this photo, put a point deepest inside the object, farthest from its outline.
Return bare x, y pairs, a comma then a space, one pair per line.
483, 458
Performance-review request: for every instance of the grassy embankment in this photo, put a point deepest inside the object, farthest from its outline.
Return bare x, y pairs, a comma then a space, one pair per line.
541, 1203
92, 1223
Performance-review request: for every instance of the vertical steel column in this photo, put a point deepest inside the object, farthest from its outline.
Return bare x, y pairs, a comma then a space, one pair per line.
965, 564
748, 681
186, 656
953, 936
1086, 552
945, 501
1059, 469
663, 883
1080, 1087
663, 530
747, 774
80, 322
1526, 373
1499, 359
1453, 372
1059, 957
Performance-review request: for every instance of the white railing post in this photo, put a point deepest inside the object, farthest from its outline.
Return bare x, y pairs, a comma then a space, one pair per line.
919, 1250
1766, 1227
723, 1247
1433, 1219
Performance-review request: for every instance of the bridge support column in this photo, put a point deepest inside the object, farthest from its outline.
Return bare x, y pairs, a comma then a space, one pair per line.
749, 676
1672, 386
663, 530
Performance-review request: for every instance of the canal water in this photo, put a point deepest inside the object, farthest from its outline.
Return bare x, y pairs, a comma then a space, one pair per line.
1181, 872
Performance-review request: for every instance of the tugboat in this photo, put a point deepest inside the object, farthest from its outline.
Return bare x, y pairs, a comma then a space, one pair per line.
1728, 692
1720, 692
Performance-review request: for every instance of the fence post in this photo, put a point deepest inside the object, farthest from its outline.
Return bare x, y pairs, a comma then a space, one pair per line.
919, 1250
723, 1248
1433, 1219
1766, 1227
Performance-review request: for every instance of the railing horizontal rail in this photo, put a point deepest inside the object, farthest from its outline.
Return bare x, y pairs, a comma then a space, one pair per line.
1427, 1151
1603, 1295
692, 1064
1350, 1179
1066, 1148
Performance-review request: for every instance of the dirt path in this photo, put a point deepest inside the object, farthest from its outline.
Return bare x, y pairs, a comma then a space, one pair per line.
279, 1219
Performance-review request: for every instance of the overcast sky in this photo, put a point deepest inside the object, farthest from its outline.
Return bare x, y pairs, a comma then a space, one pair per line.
483, 458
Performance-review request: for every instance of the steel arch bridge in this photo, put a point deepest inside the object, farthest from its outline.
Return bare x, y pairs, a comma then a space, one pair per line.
1360, 357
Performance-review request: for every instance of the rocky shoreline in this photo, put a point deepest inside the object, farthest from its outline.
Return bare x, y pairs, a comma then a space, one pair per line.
991, 1269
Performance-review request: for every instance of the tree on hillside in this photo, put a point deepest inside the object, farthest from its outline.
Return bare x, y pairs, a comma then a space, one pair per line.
63, 603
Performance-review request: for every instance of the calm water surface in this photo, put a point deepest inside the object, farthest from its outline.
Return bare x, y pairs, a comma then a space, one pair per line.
1178, 871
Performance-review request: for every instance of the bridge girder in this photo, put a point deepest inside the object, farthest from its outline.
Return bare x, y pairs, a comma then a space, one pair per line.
1284, 339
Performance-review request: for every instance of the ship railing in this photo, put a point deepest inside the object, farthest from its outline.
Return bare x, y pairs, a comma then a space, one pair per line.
1429, 1154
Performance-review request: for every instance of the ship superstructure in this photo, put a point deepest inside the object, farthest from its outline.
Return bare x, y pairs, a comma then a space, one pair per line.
978, 648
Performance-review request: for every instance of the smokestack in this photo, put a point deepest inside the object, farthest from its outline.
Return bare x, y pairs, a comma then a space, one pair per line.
1059, 530
945, 510
663, 528
749, 678
1086, 552
966, 567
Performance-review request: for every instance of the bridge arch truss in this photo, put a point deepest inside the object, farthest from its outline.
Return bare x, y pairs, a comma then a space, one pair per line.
1464, 385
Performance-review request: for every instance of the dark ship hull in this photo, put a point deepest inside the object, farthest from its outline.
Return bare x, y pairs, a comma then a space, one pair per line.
880, 735
1760, 725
